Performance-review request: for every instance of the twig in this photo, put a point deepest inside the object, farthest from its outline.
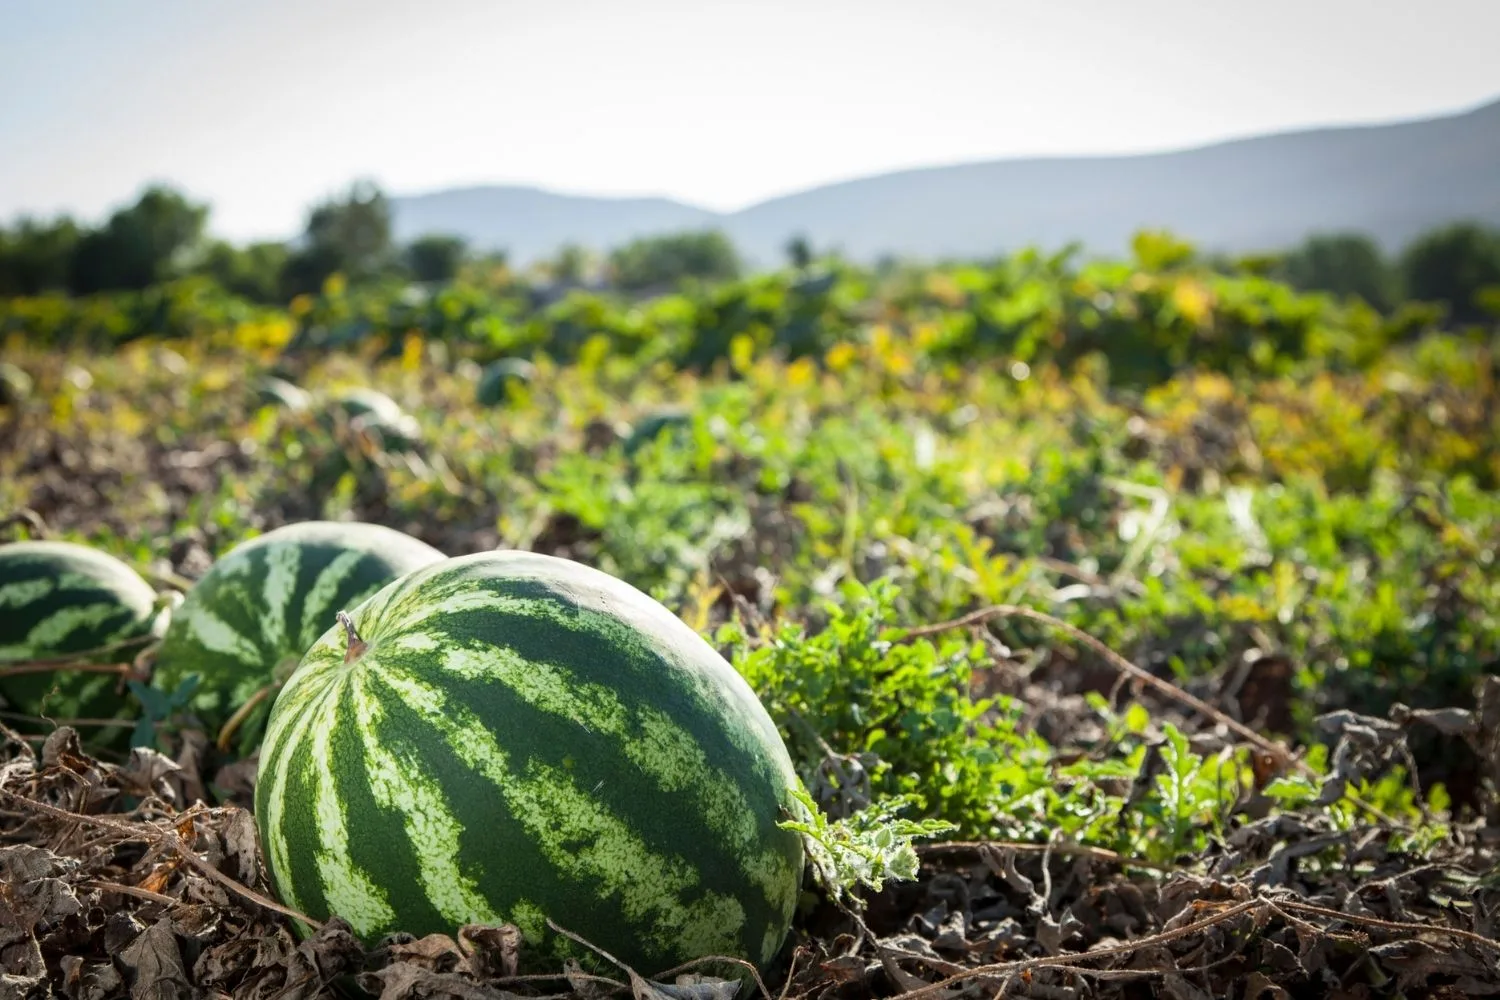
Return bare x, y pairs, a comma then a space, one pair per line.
1166, 688
132, 890
233, 723
171, 579
1067, 961
791, 974
89, 654
1070, 850
590, 946
1390, 925
191, 857
74, 723
53, 667
28, 517
170, 840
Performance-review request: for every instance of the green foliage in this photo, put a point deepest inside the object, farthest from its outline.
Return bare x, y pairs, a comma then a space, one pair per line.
37, 257
851, 688
1453, 265
348, 235
141, 246
661, 262
436, 258
799, 253
1343, 264
571, 265
252, 272
865, 850
1302, 516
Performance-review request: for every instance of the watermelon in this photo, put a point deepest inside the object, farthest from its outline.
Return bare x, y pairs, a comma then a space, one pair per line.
512, 737
281, 393
356, 403
668, 420
495, 382
247, 623
59, 599
381, 418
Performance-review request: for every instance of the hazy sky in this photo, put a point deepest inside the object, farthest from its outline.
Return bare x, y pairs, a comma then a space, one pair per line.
262, 108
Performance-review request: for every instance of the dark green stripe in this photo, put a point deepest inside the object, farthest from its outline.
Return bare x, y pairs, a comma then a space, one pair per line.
301, 827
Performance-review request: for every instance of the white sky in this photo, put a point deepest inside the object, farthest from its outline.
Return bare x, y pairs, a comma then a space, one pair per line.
262, 108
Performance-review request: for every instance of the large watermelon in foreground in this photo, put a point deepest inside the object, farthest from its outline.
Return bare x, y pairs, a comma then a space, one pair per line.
59, 599
514, 737
247, 623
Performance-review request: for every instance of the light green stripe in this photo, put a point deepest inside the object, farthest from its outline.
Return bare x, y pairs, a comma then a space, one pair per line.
277, 591
52, 630
217, 636
16, 595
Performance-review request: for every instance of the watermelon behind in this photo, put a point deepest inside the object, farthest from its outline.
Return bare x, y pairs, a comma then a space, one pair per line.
248, 622
498, 377
59, 599
517, 737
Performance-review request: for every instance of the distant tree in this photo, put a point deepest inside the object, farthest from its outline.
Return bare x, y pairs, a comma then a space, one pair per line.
571, 265
436, 258
253, 272
348, 235
1343, 264
141, 245
1160, 250
799, 252
665, 260
1452, 265
37, 257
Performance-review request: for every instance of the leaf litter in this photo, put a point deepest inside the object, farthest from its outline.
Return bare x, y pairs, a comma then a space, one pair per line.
122, 880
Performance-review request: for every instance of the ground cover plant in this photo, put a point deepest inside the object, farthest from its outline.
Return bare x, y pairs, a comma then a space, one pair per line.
1131, 625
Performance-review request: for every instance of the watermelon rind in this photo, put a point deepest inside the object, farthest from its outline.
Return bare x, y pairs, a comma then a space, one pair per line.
253, 615
279, 392
61, 599
522, 738
669, 420
380, 418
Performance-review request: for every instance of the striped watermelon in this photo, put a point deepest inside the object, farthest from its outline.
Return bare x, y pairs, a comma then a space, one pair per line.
514, 737
58, 599
279, 392
380, 418
498, 377
248, 622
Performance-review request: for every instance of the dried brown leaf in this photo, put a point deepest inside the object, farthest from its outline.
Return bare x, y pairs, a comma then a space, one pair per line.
154, 965
492, 952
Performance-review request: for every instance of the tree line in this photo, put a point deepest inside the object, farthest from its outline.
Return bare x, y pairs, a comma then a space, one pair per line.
163, 235
1456, 264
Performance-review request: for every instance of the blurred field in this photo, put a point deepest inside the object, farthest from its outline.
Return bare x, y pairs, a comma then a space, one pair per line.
1284, 504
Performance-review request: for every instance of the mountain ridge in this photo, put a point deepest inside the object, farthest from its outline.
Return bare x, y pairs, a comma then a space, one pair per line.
1390, 180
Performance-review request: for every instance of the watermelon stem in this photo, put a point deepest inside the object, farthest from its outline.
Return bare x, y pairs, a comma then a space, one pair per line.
357, 646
